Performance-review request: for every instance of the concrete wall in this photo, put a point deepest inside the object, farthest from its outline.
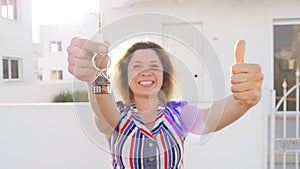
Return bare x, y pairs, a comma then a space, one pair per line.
64, 136
42, 92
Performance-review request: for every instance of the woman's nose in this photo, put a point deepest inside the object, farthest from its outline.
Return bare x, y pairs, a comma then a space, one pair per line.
145, 72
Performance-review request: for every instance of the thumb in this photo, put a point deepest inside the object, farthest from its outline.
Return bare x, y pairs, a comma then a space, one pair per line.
240, 51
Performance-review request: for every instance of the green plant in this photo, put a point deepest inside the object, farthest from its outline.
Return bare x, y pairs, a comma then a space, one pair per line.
63, 96
80, 96
68, 96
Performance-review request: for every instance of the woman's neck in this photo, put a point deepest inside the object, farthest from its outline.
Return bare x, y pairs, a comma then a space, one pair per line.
146, 104
147, 109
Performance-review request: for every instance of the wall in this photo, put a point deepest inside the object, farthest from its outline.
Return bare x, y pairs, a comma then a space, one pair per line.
42, 92
46, 136
64, 136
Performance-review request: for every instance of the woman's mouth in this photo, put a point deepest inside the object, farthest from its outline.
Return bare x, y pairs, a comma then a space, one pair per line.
146, 83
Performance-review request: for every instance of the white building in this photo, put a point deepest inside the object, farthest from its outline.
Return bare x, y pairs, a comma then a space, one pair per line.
223, 22
52, 49
16, 52
35, 73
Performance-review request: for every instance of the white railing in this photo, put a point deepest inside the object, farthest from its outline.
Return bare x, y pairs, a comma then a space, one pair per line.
285, 149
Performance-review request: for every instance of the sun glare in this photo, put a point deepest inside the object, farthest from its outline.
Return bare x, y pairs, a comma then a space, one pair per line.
46, 12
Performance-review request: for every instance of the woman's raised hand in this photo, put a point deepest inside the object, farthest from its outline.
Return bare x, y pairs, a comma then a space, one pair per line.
80, 53
246, 79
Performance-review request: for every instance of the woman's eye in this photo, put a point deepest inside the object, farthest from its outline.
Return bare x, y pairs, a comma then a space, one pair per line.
155, 66
136, 66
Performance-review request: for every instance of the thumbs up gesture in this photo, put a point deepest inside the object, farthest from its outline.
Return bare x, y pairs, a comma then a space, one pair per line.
246, 79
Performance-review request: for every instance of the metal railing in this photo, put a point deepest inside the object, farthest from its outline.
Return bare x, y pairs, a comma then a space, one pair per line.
284, 144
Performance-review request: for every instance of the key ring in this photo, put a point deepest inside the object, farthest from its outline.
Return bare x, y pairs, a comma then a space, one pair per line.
94, 60
101, 84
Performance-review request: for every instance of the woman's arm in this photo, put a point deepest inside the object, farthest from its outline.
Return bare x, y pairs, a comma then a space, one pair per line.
107, 115
223, 113
246, 81
80, 53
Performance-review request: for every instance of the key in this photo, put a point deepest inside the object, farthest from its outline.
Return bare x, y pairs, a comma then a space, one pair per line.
101, 84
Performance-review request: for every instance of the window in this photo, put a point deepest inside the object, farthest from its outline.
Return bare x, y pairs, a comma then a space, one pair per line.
286, 59
9, 9
55, 46
56, 75
11, 68
39, 77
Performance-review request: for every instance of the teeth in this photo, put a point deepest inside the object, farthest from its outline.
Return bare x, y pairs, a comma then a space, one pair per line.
146, 82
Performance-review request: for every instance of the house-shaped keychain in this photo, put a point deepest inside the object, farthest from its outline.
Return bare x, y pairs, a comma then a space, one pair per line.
101, 85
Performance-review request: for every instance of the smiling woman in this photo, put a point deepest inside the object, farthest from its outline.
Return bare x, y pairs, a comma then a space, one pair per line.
146, 129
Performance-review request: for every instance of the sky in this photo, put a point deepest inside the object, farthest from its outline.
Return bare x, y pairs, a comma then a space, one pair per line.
45, 12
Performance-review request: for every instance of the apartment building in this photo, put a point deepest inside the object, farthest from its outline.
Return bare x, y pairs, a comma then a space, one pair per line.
51, 51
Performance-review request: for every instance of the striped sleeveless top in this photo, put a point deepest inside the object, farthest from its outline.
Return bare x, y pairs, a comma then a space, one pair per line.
134, 146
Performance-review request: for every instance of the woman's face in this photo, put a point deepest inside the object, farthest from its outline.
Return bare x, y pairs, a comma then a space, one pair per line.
145, 73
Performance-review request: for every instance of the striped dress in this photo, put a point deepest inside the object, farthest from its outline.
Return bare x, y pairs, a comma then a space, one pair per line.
134, 146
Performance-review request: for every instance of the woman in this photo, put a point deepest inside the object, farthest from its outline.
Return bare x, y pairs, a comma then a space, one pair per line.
147, 130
